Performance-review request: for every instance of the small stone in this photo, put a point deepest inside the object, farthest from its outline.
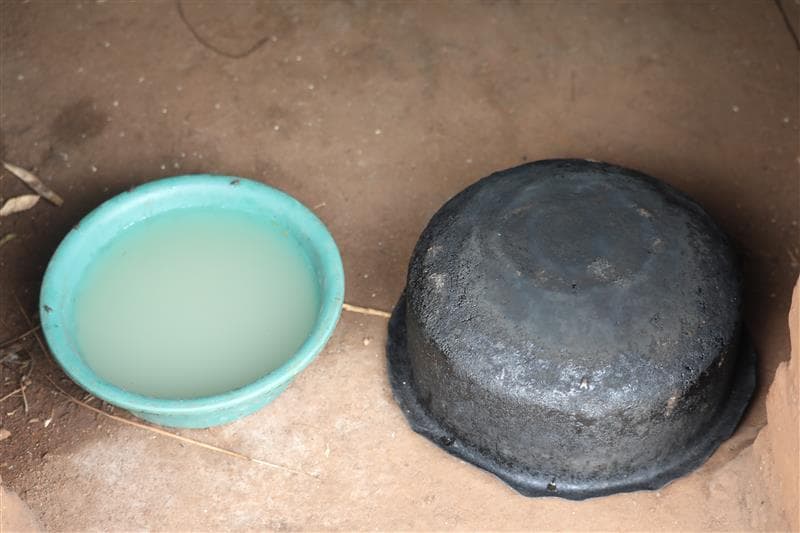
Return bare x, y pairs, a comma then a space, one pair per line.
276, 127
785, 120
735, 108
217, 106
298, 58
4, 433
115, 103
378, 132
20, 77
366, 341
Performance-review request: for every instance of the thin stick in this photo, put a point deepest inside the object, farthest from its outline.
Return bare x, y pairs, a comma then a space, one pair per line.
12, 393
34, 329
173, 435
24, 398
8, 237
366, 310
34, 183
19, 337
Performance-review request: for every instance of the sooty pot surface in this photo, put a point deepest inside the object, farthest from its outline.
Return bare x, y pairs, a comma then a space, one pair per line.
574, 328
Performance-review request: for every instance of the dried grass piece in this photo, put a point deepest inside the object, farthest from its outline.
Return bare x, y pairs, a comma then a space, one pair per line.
8, 237
34, 183
18, 203
366, 310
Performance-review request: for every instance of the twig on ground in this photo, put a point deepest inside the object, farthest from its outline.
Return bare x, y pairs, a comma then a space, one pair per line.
366, 310
12, 393
34, 329
19, 337
24, 385
18, 204
34, 183
8, 237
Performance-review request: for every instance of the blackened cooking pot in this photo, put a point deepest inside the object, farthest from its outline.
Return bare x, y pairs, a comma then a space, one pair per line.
575, 328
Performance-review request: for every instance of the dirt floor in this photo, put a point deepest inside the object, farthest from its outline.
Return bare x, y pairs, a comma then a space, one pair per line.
375, 114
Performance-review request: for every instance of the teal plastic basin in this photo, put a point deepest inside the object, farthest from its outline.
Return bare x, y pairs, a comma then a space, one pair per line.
100, 227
